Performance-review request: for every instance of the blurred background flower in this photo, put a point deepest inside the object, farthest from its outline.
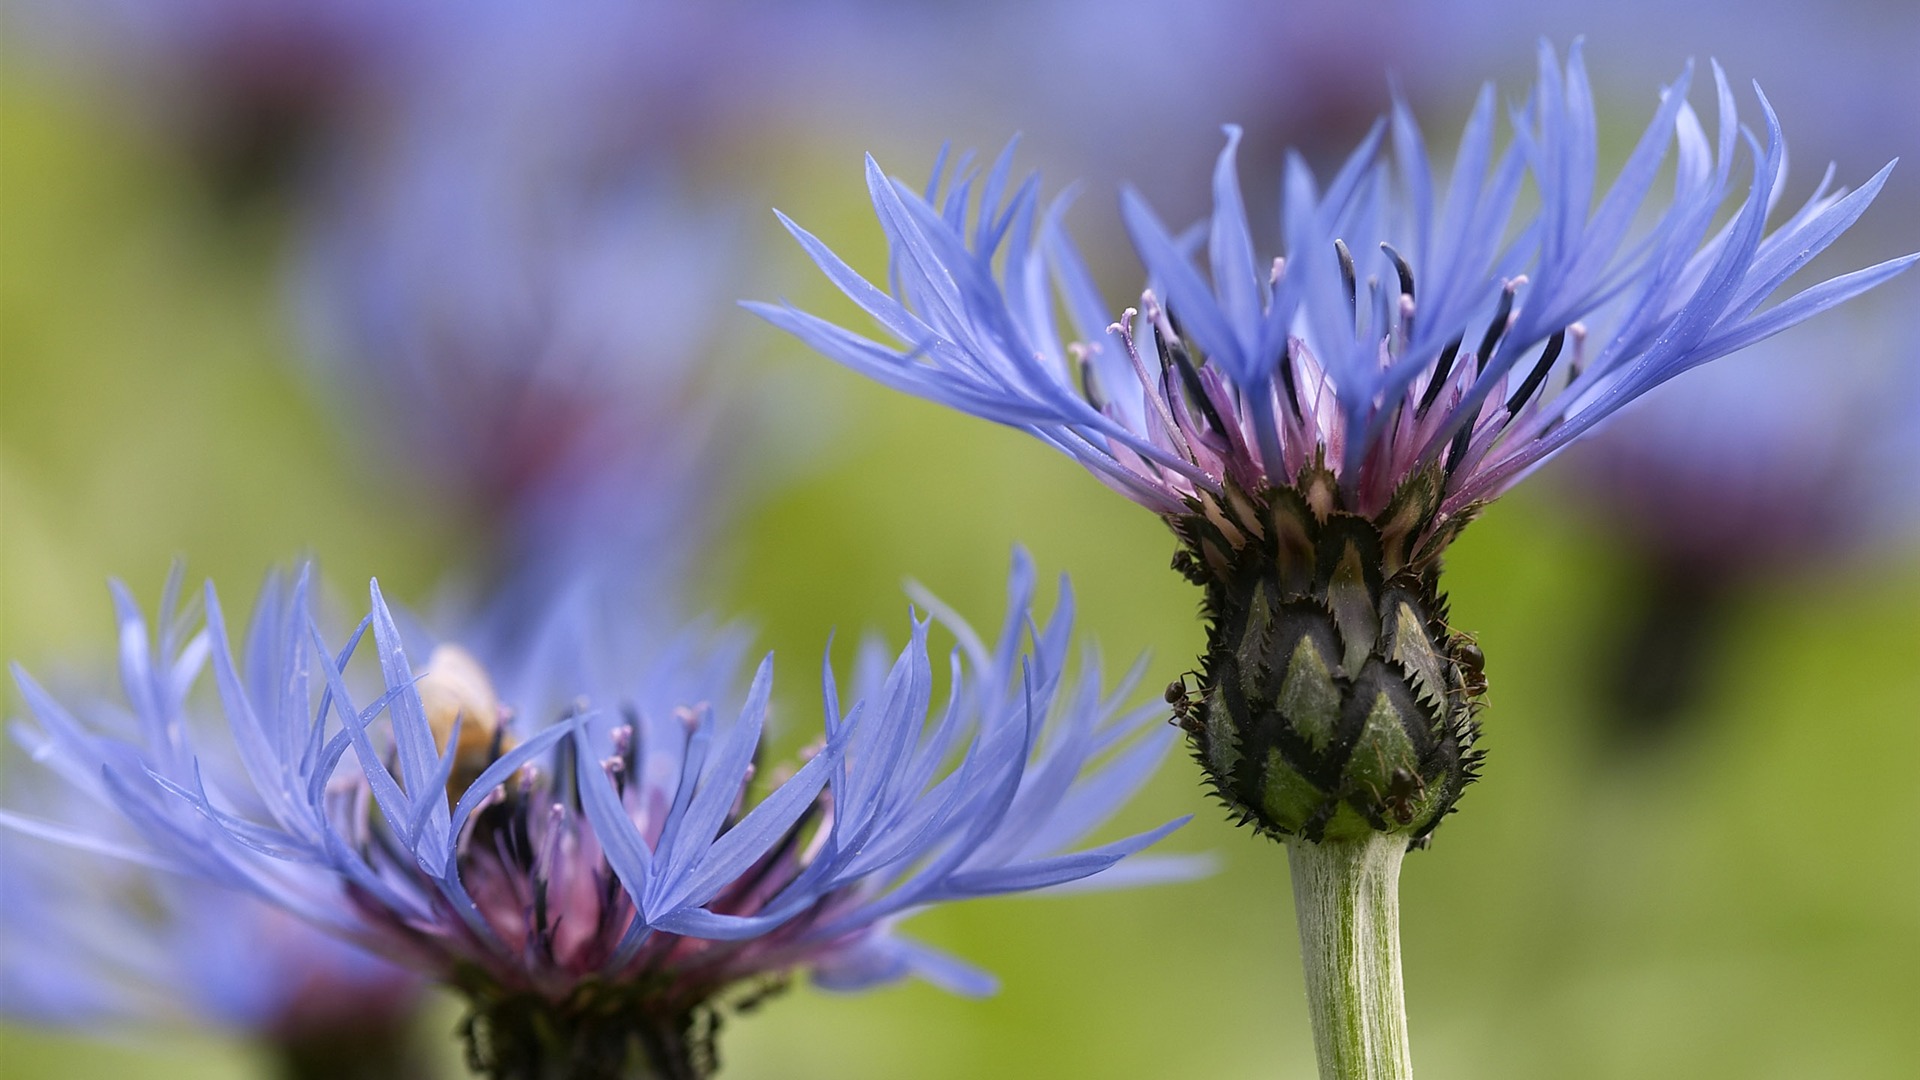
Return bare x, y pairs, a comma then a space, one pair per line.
104, 950
1795, 465
160, 399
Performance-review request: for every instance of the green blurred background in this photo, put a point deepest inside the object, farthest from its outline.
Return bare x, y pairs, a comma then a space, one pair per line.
1744, 904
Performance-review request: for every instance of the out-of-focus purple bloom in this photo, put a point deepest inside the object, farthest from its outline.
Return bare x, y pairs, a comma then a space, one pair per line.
1090, 81
1796, 459
507, 328
256, 86
608, 842
1796, 462
1413, 323
513, 293
1842, 71
249, 85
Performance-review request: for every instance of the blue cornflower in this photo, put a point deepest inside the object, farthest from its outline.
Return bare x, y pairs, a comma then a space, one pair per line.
521, 332
1316, 429
508, 321
1525, 331
597, 866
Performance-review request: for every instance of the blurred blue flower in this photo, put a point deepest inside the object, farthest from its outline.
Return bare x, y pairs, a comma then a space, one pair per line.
262, 90
1841, 71
1795, 463
249, 87
98, 944
1797, 459
513, 296
1413, 324
1090, 81
504, 326
611, 838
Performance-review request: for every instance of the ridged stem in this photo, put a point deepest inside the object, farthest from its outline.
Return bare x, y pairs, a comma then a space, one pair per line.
1346, 896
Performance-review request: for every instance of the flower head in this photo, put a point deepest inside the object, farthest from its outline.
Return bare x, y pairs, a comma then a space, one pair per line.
612, 857
1317, 428
1410, 323
520, 333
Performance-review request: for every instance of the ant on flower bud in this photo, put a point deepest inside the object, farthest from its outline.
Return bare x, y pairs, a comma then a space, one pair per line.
1186, 711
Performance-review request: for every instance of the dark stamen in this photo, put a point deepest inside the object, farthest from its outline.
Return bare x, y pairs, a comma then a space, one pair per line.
1495, 330
1197, 391
1090, 389
1441, 369
1400, 267
1174, 358
543, 932
1347, 276
1457, 450
1286, 381
1539, 373
632, 717
566, 762
1173, 323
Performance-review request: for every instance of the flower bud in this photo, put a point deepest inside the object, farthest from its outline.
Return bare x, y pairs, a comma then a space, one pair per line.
1334, 699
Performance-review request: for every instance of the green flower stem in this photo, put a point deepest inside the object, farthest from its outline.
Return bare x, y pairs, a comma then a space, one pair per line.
1346, 896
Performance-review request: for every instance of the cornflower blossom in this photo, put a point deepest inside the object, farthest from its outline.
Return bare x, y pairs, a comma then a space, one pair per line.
1307, 72
599, 880
96, 944
260, 91
250, 87
1800, 463
1317, 429
477, 306
513, 300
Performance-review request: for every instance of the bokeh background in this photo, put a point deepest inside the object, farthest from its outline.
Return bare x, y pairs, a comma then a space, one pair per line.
1730, 892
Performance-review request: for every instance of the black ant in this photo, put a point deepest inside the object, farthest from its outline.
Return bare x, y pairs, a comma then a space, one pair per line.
1405, 789
1186, 711
1473, 665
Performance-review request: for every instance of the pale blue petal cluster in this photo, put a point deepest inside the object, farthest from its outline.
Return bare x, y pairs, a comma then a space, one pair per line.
598, 837
1414, 318
504, 329
94, 942
98, 932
